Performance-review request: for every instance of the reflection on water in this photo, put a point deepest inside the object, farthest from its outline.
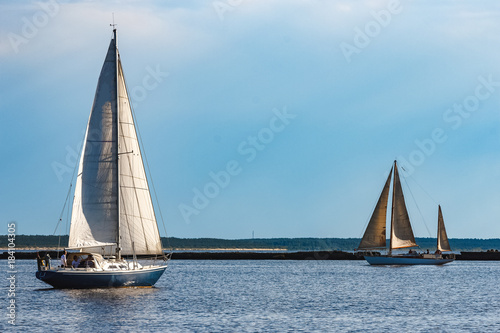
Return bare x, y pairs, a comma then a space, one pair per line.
250, 296
111, 294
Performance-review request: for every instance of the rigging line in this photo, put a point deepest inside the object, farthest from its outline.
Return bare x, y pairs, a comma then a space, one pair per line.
63, 209
151, 177
58, 246
71, 180
423, 189
67, 221
418, 208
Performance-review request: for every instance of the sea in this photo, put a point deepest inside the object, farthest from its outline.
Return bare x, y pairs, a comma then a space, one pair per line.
265, 296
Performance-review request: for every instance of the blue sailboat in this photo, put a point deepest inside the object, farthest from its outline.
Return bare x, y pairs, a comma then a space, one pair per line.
112, 217
401, 237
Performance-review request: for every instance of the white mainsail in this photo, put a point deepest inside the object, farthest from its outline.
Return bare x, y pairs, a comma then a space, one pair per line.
375, 234
401, 232
111, 169
442, 238
94, 218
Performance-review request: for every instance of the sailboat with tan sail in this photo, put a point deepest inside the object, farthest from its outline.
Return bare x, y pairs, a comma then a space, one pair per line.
401, 233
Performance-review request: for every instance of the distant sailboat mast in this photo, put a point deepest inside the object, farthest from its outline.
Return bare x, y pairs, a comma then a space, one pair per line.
392, 208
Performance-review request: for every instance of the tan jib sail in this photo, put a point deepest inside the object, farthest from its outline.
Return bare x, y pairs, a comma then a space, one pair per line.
442, 237
112, 204
401, 232
375, 233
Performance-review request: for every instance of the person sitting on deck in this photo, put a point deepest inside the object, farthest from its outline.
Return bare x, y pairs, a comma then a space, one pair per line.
76, 262
82, 263
89, 262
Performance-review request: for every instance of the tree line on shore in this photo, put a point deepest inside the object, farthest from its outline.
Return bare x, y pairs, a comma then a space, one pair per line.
290, 244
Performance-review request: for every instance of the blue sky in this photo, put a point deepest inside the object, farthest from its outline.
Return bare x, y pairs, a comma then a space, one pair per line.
299, 106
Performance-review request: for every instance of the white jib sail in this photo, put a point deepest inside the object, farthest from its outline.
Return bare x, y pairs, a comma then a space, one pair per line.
138, 227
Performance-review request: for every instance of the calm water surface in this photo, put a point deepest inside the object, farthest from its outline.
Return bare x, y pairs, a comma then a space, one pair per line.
269, 296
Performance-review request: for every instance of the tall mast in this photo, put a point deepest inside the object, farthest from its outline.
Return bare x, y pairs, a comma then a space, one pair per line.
118, 250
393, 204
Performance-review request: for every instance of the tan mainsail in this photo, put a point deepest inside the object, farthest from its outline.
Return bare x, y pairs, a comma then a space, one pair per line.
442, 238
401, 232
375, 234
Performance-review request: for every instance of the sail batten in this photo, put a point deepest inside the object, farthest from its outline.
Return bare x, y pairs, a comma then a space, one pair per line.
375, 233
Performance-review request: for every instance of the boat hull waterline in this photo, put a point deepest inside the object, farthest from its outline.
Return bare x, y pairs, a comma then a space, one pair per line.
386, 260
66, 278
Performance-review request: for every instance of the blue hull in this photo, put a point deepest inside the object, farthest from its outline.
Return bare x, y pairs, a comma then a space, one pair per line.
72, 279
386, 260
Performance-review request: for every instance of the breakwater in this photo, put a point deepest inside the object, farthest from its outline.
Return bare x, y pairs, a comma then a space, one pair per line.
249, 255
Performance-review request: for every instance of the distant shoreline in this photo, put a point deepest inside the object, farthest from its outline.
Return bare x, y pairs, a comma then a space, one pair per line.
44, 242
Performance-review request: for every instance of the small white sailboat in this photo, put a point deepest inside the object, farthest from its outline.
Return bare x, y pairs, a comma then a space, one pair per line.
374, 238
113, 215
